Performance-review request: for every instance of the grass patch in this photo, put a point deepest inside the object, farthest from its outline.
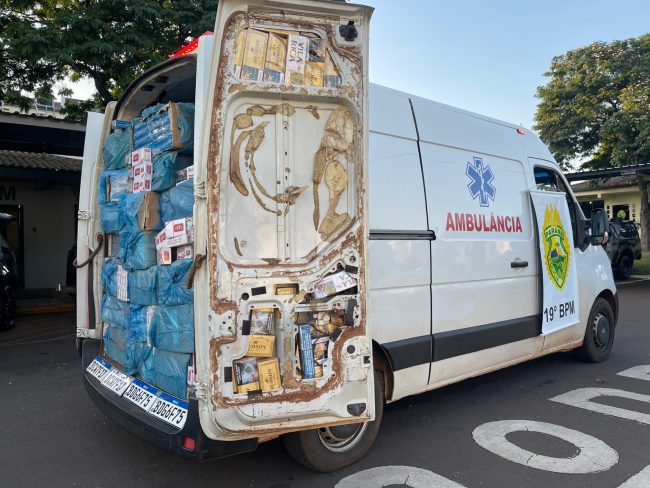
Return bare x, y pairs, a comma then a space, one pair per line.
642, 266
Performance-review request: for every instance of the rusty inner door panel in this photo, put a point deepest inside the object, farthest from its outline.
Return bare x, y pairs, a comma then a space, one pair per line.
286, 196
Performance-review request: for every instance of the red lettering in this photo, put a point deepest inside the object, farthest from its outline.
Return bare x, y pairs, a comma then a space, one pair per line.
500, 225
450, 222
460, 222
493, 223
479, 221
518, 225
508, 224
469, 221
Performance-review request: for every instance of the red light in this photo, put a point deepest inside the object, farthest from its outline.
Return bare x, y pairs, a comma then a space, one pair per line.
521, 131
192, 46
189, 443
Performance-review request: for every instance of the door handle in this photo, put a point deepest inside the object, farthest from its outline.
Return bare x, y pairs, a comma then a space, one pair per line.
519, 264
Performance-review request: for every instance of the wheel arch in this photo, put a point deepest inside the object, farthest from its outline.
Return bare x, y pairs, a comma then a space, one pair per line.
612, 299
382, 363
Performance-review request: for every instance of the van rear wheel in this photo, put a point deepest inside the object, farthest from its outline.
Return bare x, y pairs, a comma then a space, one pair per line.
332, 448
599, 336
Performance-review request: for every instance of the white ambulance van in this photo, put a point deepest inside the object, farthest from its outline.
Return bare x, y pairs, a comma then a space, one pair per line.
351, 245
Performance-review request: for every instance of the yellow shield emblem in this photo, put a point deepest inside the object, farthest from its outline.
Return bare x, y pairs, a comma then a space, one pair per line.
557, 251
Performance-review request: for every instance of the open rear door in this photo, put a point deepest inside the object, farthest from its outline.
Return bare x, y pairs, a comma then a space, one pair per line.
281, 322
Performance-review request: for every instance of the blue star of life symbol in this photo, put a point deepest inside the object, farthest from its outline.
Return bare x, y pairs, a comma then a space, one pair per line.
481, 182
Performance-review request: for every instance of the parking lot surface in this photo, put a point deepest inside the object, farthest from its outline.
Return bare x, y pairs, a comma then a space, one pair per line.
54, 436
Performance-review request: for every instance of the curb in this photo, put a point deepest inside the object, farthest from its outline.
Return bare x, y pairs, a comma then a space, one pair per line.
45, 309
633, 280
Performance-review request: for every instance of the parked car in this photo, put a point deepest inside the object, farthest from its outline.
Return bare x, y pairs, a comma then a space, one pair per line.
623, 247
8, 278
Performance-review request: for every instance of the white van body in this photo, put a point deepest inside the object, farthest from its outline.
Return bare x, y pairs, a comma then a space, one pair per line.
446, 300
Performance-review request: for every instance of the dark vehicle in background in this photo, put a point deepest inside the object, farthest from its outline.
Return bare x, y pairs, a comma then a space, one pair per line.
8, 278
623, 247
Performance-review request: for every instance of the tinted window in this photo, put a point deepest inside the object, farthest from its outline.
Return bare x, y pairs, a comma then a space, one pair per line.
626, 229
548, 180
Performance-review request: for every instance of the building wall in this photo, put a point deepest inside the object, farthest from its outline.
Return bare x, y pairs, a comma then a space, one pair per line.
617, 196
49, 222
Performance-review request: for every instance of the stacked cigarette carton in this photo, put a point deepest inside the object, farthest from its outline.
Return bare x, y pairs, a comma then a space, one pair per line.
147, 310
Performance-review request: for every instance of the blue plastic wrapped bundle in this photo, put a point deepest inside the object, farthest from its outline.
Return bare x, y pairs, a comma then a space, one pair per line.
116, 149
141, 212
109, 276
114, 345
139, 250
136, 355
164, 171
177, 202
165, 127
171, 283
111, 216
167, 370
143, 286
113, 183
139, 329
172, 328
115, 312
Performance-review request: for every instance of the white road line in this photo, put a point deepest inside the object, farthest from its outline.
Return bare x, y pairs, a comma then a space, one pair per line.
582, 399
638, 372
396, 475
640, 480
593, 456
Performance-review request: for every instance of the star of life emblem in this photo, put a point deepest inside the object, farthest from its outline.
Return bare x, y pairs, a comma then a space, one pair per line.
480, 185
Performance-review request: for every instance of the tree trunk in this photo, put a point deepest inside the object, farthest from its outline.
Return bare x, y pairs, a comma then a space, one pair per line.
645, 213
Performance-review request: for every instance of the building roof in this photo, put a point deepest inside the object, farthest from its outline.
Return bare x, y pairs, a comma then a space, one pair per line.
51, 162
604, 184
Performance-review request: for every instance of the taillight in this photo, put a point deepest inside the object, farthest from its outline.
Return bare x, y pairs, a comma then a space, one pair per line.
189, 443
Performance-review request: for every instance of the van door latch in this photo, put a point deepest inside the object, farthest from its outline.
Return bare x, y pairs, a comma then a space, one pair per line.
348, 32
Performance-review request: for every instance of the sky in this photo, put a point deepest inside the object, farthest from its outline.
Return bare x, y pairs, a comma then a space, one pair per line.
486, 56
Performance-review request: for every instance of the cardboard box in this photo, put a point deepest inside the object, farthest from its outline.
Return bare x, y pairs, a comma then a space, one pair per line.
261, 346
148, 216
269, 371
262, 321
142, 176
176, 233
141, 156
184, 174
296, 59
254, 55
276, 58
246, 375
332, 284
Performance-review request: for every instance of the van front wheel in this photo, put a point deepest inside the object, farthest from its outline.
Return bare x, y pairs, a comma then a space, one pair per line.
599, 336
332, 448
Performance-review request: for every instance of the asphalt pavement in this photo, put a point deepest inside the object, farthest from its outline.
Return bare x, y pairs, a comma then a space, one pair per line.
52, 435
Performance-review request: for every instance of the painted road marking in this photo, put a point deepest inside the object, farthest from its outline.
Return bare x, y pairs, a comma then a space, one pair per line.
582, 399
407, 476
641, 480
593, 456
638, 372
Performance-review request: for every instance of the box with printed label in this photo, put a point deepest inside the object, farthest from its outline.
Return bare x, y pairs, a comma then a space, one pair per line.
176, 233
247, 377
254, 55
269, 373
261, 346
141, 156
164, 255
184, 174
185, 252
142, 176
296, 60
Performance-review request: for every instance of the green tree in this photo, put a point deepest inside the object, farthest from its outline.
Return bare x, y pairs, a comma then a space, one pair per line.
596, 109
108, 41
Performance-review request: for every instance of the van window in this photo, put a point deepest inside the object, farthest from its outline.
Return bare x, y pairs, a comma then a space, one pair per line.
547, 179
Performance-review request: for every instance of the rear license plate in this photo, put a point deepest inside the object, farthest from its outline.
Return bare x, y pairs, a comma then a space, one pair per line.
99, 368
116, 381
170, 409
142, 394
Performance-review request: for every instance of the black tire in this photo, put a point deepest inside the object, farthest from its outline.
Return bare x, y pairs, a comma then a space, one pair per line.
599, 335
311, 449
624, 267
7, 308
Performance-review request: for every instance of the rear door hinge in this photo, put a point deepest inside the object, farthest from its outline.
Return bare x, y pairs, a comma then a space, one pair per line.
199, 189
201, 391
83, 215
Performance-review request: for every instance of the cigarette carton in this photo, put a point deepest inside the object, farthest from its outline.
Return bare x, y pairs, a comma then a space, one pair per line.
254, 55
164, 255
314, 73
142, 176
296, 59
179, 232
276, 58
269, 371
240, 45
117, 183
262, 321
261, 346
185, 252
141, 156
246, 375
184, 174
306, 352
332, 77
316, 51
333, 284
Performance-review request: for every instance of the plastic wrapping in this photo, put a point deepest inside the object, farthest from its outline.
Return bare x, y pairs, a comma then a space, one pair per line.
172, 328
114, 345
164, 127
171, 283
109, 277
115, 312
136, 354
164, 171
139, 329
178, 202
117, 147
167, 370
143, 286
141, 212
111, 216
139, 250
113, 183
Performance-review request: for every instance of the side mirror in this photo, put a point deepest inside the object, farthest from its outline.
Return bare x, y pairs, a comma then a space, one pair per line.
599, 225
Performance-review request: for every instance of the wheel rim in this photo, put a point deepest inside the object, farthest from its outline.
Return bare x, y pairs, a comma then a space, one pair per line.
341, 438
601, 331
627, 268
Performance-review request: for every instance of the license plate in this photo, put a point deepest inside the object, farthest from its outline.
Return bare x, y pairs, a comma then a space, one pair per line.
170, 409
142, 394
99, 368
116, 381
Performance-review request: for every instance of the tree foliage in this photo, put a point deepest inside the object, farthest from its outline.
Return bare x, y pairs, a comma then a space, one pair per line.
596, 105
109, 41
